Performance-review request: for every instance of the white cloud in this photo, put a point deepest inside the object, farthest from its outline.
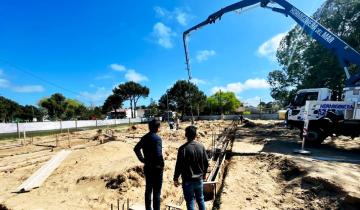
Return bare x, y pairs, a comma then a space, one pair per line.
180, 15
104, 77
240, 87
117, 67
132, 75
28, 89
181, 18
161, 12
98, 97
163, 35
252, 101
204, 55
4, 83
268, 49
197, 81
20, 89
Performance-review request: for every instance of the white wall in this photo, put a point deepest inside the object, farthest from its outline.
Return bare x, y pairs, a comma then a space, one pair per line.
57, 125
232, 117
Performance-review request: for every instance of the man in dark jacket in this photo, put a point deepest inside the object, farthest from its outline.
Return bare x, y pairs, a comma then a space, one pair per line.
151, 156
191, 164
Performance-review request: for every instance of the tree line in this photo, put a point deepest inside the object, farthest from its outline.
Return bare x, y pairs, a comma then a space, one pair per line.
307, 64
10, 111
183, 97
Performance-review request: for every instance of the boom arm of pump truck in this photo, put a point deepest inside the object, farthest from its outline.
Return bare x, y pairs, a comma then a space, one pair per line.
346, 54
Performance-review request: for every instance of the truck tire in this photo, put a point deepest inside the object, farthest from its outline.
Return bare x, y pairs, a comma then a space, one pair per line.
314, 137
288, 125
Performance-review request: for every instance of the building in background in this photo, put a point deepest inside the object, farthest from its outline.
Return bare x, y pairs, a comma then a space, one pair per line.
125, 113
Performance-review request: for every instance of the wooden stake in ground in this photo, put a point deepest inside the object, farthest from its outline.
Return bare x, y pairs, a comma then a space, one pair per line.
56, 140
69, 143
23, 143
18, 130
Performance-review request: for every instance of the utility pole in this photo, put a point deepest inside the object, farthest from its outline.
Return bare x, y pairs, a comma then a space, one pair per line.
260, 108
221, 108
32, 109
198, 110
167, 105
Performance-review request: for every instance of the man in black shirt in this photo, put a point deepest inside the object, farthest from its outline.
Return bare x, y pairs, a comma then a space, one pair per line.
191, 164
151, 156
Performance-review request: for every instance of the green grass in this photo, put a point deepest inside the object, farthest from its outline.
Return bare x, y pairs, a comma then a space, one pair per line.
14, 136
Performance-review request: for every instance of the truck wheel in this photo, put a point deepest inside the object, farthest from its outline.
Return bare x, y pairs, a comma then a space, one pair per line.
287, 121
314, 137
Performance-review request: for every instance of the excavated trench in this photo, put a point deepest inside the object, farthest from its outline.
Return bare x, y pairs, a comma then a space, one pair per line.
268, 181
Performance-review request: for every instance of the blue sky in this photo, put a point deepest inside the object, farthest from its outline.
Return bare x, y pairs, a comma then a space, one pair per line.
84, 48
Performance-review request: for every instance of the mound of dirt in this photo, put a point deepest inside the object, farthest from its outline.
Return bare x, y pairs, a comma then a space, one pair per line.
249, 124
289, 170
84, 179
321, 193
3, 207
131, 178
321, 187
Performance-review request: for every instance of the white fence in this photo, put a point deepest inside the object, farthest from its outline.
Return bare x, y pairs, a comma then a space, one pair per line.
60, 125
232, 117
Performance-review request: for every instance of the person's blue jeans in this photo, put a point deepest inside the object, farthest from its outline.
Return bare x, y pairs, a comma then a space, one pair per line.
194, 189
154, 179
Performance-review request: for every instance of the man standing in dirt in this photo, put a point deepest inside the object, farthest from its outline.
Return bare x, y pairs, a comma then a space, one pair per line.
151, 156
191, 164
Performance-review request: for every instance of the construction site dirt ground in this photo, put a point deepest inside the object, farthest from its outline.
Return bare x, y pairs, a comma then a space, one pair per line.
261, 170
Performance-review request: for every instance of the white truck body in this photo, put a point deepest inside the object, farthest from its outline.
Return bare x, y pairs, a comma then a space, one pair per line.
320, 118
296, 111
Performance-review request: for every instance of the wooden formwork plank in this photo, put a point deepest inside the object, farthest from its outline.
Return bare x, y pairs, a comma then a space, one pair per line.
137, 206
171, 206
38, 178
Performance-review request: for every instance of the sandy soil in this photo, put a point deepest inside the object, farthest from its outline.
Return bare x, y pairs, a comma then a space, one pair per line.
95, 175
264, 173
261, 172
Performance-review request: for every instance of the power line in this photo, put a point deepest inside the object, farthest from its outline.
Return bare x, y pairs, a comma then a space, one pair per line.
20, 69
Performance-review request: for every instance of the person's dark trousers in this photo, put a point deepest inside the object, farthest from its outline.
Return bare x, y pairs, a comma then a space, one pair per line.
194, 189
154, 179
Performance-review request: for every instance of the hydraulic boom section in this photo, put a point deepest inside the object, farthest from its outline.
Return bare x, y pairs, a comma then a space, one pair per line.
345, 53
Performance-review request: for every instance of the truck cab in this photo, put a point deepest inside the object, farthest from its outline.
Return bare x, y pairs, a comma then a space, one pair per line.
295, 112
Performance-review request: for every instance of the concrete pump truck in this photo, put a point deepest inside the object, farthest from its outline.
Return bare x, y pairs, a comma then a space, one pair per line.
311, 110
